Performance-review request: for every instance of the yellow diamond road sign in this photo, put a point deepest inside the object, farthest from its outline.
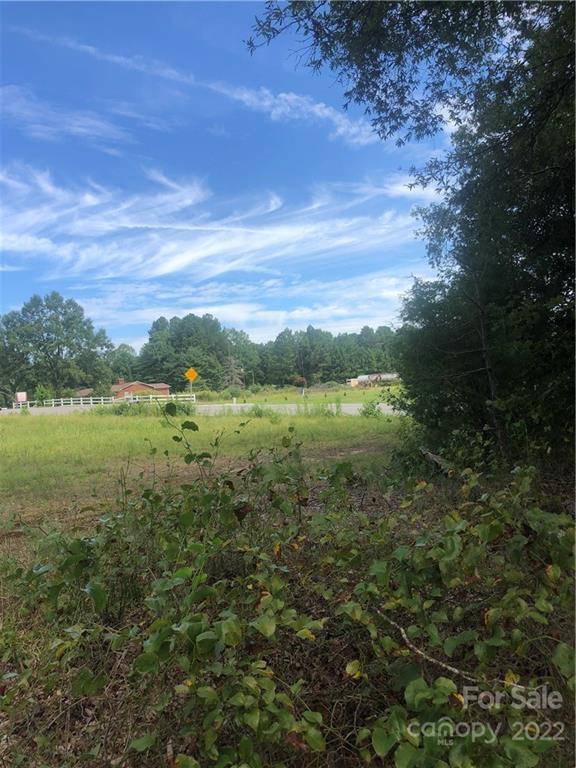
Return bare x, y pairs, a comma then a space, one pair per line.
191, 374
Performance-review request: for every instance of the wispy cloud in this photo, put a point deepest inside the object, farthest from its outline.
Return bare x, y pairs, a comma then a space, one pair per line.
10, 268
262, 309
137, 63
176, 226
173, 247
290, 106
43, 120
282, 106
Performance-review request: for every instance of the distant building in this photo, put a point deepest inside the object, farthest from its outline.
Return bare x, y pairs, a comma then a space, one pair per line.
372, 379
128, 388
85, 392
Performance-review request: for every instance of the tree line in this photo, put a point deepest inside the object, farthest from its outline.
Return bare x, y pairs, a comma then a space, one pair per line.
49, 348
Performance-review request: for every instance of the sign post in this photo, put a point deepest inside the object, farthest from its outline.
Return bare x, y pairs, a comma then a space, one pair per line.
191, 374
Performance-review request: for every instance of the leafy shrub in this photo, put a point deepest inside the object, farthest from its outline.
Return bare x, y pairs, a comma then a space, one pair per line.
42, 393
126, 408
259, 412
208, 395
371, 409
265, 616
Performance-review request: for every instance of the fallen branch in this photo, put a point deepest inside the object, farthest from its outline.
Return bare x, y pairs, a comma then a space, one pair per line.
443, 664
437, 461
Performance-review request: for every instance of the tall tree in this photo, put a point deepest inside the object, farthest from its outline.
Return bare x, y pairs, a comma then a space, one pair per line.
503, 243
58, 343
123, 362
490, 342
412, 65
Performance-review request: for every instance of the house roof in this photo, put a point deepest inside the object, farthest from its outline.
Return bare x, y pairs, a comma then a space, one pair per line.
157, 385
377, 376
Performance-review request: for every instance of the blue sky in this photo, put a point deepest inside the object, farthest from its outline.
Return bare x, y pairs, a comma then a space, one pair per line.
151, 166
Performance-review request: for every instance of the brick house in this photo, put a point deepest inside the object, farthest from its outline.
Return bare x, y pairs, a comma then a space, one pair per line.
124, 389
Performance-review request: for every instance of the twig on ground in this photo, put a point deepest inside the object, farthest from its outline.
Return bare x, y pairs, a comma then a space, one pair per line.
443, 664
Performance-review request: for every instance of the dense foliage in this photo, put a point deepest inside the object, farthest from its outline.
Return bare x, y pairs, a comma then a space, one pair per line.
227, 357
274, 616
50, 343
489, 344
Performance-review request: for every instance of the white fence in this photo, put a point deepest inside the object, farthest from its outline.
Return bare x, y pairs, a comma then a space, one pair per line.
60, 401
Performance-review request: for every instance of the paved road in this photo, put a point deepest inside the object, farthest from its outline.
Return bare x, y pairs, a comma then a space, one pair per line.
206, 409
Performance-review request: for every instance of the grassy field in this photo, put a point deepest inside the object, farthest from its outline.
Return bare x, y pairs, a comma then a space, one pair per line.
53, 467
294, 395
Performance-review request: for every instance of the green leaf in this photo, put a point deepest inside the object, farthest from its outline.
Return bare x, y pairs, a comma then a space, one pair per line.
383, 742
417, 692
354, 669
207, 693
521, 755
252, 718
445, 688
381, 570
231, 631
146, 663
170, 409
183, 573
245, 748
563, 658
451, 643
265, 624
143, 743
312, 717
406, 756
98, 595
184, 761
206, 641
314, 739
237, 700
189, 425
452, 547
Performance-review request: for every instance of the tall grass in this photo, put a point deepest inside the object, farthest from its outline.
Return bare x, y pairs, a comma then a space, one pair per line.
46, 458
316, 394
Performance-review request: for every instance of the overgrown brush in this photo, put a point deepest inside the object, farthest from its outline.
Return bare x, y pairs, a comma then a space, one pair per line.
142, 408
271, 617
